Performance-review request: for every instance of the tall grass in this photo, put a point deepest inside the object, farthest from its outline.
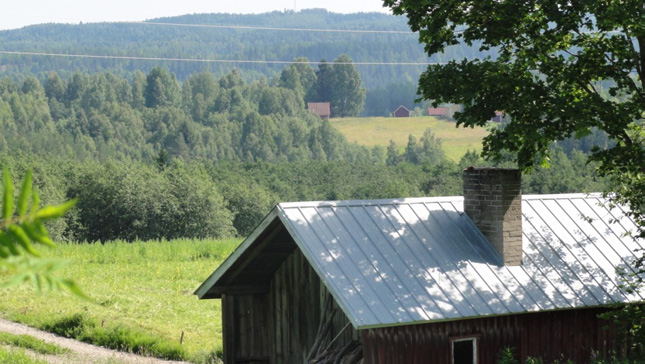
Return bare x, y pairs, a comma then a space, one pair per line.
17, 356
143, 297
28, 342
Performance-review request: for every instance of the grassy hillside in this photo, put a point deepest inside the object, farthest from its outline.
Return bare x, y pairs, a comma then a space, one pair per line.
143, 291
379, 130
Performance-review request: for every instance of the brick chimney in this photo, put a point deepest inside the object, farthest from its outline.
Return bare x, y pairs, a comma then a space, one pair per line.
493, 200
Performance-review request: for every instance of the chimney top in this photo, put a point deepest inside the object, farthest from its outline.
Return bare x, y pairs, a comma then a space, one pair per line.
493, 200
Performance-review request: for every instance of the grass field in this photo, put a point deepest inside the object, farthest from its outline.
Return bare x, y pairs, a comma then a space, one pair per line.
142, 289
379, 130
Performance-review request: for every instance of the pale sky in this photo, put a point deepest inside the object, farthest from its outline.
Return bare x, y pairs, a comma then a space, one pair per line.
19, 13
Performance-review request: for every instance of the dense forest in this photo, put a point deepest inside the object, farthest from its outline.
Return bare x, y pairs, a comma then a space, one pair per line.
141, 40
102, 116
155, 158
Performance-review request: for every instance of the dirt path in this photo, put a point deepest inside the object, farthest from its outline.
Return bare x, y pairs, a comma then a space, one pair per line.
79, 352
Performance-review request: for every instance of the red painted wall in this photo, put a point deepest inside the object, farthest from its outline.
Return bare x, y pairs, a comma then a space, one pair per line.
573, 334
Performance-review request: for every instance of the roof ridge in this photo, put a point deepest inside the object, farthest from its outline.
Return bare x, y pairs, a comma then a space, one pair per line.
426, 199
385, 201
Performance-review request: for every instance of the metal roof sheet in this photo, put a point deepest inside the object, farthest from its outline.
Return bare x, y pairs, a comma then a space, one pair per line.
321, 109
402, 261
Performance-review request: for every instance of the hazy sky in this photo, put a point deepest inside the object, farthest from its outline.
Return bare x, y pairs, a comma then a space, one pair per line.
18, 13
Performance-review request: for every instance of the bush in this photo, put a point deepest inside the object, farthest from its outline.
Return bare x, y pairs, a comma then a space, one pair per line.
132, 201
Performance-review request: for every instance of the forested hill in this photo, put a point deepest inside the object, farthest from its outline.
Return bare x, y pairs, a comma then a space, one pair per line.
127, 39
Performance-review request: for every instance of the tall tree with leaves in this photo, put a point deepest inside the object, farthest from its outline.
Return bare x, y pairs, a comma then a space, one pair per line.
553, 59
162, 89
348, 95
323, 88
563, 68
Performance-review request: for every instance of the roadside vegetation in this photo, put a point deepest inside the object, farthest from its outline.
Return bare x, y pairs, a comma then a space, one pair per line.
142, 296
30, 343
17, 356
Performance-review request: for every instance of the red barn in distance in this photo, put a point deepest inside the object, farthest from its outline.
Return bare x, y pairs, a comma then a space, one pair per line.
437, 111
401, 112
319, 108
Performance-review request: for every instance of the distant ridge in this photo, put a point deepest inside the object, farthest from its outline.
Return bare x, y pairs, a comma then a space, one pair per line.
141, 40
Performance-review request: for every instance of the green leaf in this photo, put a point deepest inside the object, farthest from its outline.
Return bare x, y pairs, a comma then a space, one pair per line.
6, 241
36, 234
73, 288
22, 238
7, 200
56, 264
35, 278
15, 280
582, 133
35, 201
40, 228
53, 212
25, 192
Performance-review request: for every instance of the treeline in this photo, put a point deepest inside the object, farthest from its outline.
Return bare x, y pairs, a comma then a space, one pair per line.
141, 40
135, 200
103, 116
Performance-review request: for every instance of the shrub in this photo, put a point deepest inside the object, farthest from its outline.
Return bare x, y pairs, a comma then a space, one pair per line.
507, 356
134, 201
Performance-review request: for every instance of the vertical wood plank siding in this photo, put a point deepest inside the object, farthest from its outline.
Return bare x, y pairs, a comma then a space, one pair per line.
547, 335
280, 326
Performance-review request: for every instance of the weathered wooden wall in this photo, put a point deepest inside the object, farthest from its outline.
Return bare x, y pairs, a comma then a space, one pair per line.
547, 335
280, 326
245, 328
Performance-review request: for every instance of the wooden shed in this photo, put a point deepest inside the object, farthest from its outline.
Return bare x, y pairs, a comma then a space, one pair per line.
321, 109
401, 112
437, 111
426, 280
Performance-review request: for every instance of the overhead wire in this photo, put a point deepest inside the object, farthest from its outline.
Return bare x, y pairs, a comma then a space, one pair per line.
238, 61
207, 60
251, 27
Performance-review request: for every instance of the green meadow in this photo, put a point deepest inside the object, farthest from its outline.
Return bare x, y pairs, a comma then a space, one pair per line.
379, 130
141, 297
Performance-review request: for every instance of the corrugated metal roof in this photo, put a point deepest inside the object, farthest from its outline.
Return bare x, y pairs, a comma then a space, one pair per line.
402, 261
437, 111
321, 109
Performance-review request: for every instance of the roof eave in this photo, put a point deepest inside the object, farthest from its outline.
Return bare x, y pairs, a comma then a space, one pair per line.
454, 319
202, 291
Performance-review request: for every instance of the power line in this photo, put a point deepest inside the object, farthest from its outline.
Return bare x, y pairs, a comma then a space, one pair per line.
205, 60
